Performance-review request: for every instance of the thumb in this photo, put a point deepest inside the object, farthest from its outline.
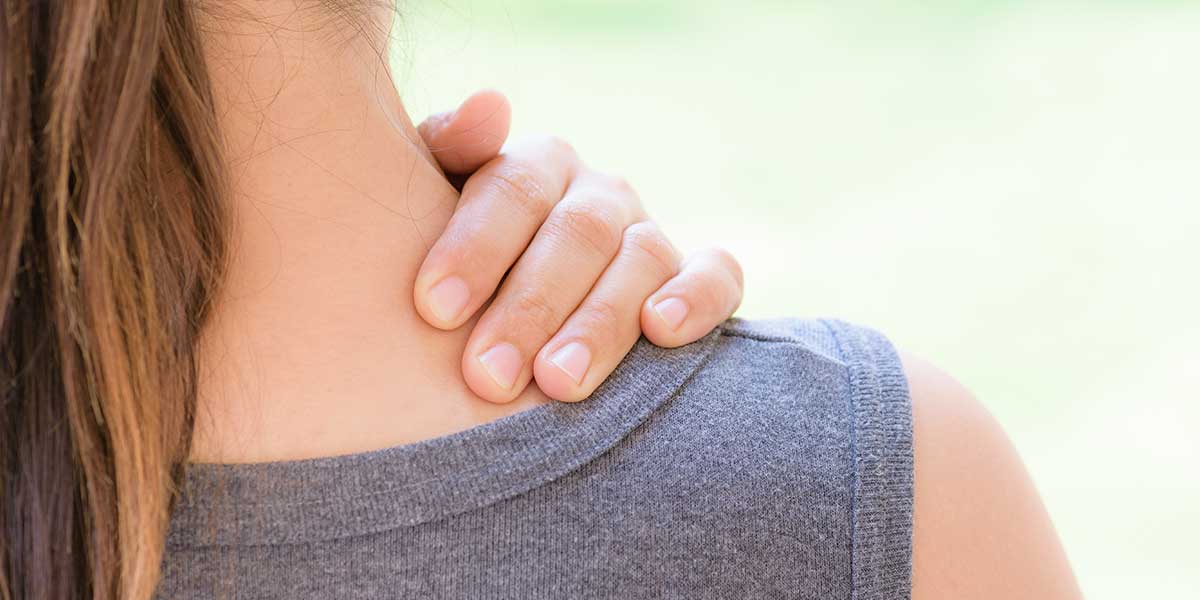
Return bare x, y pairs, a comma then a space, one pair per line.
465, 139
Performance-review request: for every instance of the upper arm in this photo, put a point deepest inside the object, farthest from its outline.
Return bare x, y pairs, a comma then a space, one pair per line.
979, 527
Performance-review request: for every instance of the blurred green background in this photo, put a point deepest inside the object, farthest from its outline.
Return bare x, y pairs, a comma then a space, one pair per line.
1009, 188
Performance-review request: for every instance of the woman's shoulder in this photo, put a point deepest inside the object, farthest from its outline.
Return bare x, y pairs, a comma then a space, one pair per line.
825, 369
806, 423
981, 528
849, 346
827, 338
891, 440
821, 374
931, 471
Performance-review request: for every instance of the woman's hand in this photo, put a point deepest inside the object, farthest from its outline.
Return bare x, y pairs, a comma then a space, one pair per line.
581, 269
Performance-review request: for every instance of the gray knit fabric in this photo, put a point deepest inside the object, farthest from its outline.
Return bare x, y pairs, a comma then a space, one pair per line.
771, 459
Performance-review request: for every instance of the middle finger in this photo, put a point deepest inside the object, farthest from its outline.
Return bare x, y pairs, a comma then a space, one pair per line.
569, 253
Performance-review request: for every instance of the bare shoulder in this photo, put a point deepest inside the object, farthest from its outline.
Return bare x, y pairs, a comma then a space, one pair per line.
979, 527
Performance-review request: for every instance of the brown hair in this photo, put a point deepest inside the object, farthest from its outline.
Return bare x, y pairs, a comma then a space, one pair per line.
111, 244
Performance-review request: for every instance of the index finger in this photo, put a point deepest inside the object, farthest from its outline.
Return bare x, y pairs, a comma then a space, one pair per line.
466, 138
501, 208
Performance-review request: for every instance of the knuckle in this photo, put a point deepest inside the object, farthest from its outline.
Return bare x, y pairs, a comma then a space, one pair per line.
521, 186
648, 240
622, 186
532, 312
590, 224
600, 316
617, 188
558, 145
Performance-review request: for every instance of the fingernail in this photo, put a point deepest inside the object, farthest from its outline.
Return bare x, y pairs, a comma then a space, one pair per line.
672, 311
573, 359
448, 298
503, 363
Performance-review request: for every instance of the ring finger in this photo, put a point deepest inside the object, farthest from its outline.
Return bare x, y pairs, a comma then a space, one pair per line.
603, 329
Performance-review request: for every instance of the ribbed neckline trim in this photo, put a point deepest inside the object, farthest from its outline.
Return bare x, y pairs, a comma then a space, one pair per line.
344, 496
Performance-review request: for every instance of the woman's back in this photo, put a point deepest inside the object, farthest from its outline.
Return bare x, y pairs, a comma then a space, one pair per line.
768, 459
218, 223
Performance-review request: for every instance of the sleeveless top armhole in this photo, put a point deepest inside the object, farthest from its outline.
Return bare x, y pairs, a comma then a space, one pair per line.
882, 443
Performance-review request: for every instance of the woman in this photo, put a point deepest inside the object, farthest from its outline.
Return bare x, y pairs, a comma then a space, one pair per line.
215, 221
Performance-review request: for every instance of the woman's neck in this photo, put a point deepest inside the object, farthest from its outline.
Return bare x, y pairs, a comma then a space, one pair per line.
314, 347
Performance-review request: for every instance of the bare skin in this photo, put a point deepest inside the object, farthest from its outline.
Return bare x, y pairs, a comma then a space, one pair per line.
323, 339
979, 527
312, 349
336, 203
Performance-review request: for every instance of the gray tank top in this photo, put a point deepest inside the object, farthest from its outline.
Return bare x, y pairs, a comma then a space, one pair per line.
771, 459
